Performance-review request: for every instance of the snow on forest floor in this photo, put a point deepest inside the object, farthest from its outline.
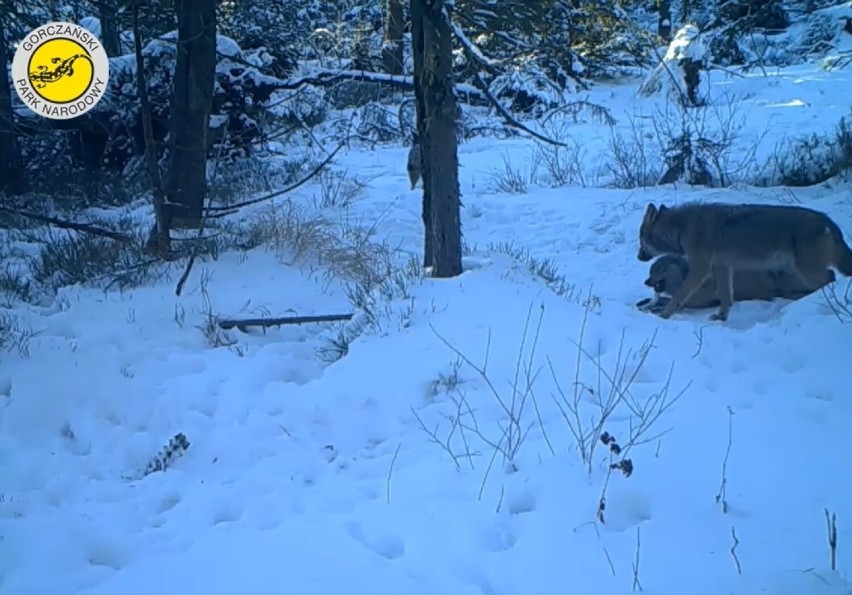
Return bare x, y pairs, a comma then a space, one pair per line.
378, 474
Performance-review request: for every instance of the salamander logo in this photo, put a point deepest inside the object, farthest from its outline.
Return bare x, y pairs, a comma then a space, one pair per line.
60, 70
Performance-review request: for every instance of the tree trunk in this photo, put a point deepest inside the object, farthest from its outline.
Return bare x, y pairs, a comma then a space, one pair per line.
108, 15
437, 117
417, 7
192, 97
159, 240
12, 178
664, 20
392, 51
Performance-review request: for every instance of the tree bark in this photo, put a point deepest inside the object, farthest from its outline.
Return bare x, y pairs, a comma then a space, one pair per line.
108, 15
392, 56
439, 148
192, 97
12, 174
417, 8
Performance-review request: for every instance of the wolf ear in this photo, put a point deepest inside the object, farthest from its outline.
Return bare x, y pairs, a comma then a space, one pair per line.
663, 208
650, 213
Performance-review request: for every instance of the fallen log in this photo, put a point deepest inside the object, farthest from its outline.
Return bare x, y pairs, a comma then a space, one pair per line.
244, 323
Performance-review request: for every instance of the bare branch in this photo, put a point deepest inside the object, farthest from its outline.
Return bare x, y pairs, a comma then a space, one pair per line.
62, 224
231, 209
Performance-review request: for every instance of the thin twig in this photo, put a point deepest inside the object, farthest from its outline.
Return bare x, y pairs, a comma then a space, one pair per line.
390, 473
831, 523
637, 586
720, 497
734, 550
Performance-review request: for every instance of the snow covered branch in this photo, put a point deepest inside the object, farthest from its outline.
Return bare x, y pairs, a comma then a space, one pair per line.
474, 55
325, 78
471, 50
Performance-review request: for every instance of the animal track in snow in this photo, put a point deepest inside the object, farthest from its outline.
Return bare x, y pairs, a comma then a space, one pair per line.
108, 555
226, 512
369, 491
387, 546
792, 362
167, 502
498, 538
521, 502
626, 508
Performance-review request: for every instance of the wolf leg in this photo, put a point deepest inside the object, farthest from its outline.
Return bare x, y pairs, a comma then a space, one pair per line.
698, 273
724, 278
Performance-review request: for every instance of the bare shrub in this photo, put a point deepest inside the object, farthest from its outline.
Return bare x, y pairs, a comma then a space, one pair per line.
633, 161
698, 143
514, 427
337, 190
514, 178
598, 395
377, 280
563, 166
542, 268
693, 144
840, 302
815, 158
15, 284
14, 335
588, 407
91, 260
214, 335
300, 237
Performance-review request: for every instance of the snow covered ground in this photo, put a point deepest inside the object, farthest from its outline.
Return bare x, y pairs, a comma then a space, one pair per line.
386, 472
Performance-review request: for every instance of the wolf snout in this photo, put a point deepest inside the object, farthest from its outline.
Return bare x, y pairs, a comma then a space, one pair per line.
643, 255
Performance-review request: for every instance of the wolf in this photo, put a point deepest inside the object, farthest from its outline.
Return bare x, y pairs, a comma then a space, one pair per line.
717, 239
414, 165
668, 272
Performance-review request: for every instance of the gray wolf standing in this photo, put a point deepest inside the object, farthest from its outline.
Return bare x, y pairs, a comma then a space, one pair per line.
717, 239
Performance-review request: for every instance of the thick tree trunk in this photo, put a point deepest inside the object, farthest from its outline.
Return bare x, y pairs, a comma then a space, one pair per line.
438, 139
417, 8
108, 15
192, 96
392, 56
12, 178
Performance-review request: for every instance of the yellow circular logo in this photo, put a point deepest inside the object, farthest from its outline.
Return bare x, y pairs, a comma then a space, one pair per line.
60, 70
